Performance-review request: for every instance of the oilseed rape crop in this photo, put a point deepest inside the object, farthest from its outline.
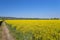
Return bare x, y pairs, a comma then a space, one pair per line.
35, 29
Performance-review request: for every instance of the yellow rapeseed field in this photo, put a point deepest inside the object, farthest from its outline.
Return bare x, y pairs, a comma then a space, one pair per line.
38, 29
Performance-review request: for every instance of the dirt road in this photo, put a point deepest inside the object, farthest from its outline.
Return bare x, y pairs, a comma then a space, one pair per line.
0, 33
5, 33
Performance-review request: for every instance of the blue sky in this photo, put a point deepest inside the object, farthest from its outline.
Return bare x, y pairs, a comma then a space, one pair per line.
30, 8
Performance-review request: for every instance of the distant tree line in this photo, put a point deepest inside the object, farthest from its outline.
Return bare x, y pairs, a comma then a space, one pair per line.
55, 18
14, 18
